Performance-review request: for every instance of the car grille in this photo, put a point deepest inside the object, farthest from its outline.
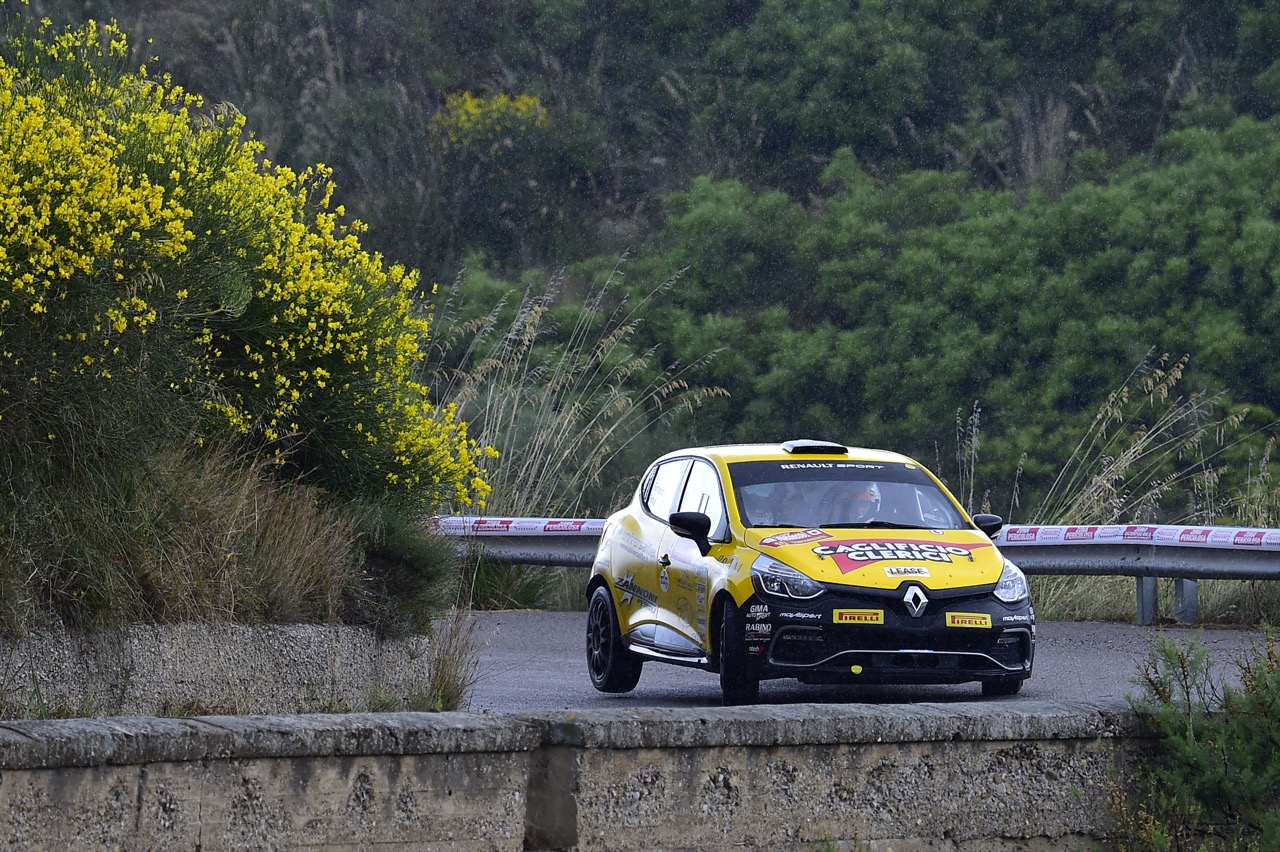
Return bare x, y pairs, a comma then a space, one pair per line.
810, 646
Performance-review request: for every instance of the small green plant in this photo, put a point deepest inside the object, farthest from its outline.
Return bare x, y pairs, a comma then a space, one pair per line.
1212, 780
452, 663
21, 696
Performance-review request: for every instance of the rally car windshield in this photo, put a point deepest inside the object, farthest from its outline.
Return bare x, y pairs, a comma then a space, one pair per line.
804, 494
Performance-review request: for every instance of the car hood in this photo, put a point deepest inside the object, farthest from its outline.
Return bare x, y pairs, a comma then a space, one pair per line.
884, 558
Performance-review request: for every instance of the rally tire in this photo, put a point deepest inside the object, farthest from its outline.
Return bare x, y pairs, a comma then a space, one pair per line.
612, 665
739, 681
1003, 686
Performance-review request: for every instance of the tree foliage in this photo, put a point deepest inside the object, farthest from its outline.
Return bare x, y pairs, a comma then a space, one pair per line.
880, 213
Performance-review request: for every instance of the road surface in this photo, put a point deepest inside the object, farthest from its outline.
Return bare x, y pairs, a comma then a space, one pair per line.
531, 660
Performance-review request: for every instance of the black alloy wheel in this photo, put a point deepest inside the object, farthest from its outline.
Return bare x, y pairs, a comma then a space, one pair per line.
613, 666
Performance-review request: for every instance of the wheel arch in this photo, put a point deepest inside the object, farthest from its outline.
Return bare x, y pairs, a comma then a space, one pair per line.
597, 580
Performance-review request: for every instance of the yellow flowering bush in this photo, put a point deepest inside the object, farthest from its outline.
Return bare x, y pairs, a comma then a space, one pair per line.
480, 121
147, 248
499, 172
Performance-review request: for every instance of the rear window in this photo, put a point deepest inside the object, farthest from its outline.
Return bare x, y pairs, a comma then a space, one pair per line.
824, 493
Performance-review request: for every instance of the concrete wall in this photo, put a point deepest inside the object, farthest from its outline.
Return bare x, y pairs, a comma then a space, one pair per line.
1009, 774
208, 668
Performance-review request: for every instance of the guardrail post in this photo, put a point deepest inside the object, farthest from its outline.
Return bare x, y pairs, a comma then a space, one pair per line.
1186, 601
1147, 599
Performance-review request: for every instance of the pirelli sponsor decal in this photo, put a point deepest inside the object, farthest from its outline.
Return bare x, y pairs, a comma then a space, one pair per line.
858, 616
968, 619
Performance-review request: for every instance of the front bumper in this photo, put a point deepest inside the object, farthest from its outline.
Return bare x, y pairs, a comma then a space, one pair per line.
869, 636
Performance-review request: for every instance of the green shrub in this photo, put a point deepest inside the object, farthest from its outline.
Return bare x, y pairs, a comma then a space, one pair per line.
1212, 780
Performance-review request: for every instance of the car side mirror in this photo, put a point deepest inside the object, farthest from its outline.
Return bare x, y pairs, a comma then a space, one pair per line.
695, 526
989, 524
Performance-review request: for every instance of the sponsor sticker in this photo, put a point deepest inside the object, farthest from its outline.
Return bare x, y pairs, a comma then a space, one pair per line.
664, 580
804, 615
852, 555
491, 525
758, 612
1016, 619
563, 526
906, 571
794, 537
634, 545
968, 619
758, 628
1248, 538
858, 616
632, 591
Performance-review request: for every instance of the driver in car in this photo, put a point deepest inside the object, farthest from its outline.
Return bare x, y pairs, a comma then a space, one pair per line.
864, 502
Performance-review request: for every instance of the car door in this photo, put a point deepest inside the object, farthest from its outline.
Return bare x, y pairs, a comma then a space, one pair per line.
636, 548
683, 572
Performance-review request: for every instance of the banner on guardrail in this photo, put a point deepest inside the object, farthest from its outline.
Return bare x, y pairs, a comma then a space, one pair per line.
1242, 538
467, 525
1232, 538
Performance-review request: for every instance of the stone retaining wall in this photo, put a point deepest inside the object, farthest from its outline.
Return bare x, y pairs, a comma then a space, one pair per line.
209, 668
1010, 774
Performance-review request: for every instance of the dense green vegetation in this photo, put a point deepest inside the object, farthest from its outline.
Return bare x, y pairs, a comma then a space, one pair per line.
209, 398
881, 214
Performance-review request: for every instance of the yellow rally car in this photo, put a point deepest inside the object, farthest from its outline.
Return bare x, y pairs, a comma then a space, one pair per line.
809, 560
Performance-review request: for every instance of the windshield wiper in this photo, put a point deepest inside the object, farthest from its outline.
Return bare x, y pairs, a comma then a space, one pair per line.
890, 525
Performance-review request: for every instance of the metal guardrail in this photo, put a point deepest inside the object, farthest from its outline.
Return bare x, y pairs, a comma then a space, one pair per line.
1147, 553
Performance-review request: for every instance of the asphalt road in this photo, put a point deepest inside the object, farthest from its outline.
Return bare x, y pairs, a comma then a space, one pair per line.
532, 661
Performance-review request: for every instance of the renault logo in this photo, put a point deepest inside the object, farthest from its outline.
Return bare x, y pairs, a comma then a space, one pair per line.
916, 601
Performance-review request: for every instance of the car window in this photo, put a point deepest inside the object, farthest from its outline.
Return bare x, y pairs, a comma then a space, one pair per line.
702, 494
812, 494
935, 510
664, 487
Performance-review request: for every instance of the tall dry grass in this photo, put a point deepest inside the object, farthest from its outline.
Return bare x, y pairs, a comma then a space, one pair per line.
565, 395
1153, 455
175, 537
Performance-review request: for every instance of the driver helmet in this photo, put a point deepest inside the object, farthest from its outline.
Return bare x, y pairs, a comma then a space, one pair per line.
865, 500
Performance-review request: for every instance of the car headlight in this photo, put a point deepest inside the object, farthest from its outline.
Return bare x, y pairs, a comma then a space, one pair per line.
1013, 584
773, 578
